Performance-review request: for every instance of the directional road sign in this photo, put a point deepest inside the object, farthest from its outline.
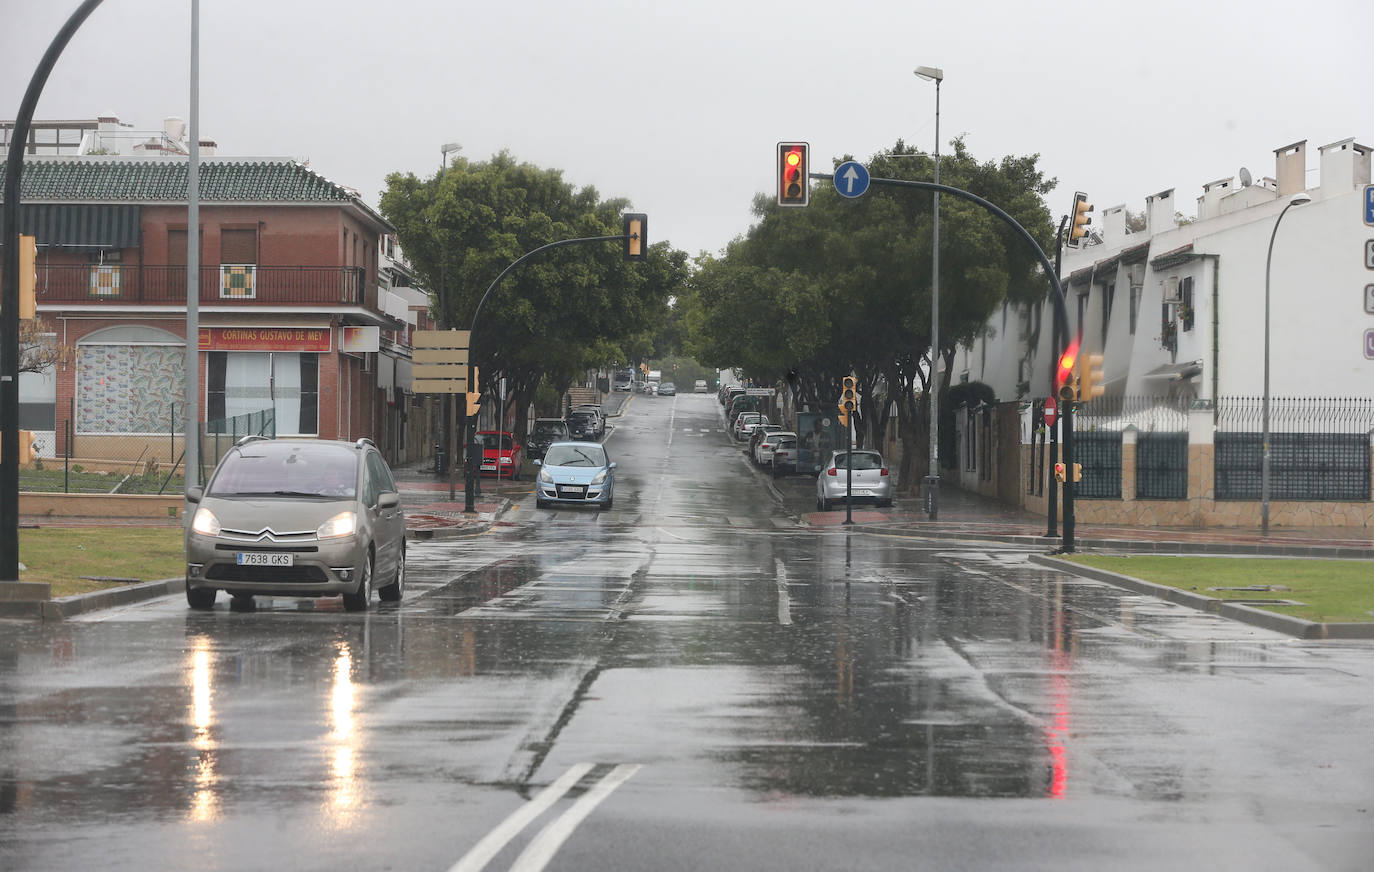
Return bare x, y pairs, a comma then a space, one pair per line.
851, 179
1369, 204
441, 361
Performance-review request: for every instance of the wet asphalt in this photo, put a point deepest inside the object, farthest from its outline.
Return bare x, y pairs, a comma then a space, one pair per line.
692, 680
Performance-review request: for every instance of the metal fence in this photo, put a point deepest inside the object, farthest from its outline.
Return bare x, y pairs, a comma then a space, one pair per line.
71, 461
1161, 446
1319, 448
1161, 466
1099, 453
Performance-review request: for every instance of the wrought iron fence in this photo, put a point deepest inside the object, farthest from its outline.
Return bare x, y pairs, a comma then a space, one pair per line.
1319, 448
1161, 466
1099, 453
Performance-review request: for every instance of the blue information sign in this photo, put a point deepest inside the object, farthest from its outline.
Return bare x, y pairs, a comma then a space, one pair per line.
1369, 204
851, 179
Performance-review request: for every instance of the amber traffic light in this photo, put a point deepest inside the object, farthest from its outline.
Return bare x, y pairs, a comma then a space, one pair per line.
636, 227
1080, 219
1064, 387
1090, 383
28, 276
793, 187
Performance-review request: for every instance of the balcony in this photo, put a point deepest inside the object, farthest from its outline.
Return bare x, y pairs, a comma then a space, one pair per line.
224, 284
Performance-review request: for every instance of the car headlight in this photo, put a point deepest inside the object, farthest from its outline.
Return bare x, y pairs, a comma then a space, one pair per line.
545, 477
600, 477
342, 524
205, 523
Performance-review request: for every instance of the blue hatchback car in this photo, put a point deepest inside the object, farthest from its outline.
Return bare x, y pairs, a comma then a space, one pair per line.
575, 473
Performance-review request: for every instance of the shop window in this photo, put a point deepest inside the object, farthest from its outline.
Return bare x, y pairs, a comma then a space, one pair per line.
287, 382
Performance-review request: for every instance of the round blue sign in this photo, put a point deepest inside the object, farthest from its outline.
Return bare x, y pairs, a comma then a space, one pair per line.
851, 179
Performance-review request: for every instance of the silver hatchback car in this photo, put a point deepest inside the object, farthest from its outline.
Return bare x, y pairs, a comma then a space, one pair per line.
297, 517
870, 479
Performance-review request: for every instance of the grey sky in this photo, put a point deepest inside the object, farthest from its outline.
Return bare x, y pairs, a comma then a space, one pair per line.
677, 106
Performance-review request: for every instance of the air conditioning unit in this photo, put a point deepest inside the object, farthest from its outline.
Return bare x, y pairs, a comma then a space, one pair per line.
1172, 294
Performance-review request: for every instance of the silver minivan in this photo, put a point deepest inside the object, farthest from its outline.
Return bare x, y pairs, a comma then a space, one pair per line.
297, 517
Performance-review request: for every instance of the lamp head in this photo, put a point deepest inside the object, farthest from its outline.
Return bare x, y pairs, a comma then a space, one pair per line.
1300, 198
932, 74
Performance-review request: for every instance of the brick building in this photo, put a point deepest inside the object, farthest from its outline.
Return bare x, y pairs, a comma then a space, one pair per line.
291, 315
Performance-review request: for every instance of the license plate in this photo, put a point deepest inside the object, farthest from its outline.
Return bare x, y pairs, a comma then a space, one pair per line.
572, 491
861, 492
264, 558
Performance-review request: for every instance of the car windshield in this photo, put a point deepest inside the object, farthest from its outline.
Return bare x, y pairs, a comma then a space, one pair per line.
579, 418
862, 460
494, 441
285, 469
576, 455
550, 429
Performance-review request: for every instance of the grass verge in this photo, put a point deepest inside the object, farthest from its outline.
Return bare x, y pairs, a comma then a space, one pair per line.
61, 556
1331, 591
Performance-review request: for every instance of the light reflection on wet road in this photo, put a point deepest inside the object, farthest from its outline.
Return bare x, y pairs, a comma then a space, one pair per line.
707, 683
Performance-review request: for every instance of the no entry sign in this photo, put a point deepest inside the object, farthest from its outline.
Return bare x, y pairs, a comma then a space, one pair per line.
1051, 411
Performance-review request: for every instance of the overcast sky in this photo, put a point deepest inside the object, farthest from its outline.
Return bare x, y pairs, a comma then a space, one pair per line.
677, 106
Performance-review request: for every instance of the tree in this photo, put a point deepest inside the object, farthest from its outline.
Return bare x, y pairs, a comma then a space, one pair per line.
558, 315
844, 285
38, 347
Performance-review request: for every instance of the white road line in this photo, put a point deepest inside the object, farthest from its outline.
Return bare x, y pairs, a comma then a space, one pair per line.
784, 595
539, 852
492, 843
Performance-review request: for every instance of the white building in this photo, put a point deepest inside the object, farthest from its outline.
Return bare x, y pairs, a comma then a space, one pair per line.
1178, 309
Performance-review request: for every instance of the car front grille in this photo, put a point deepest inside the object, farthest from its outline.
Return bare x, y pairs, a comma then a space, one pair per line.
268, 574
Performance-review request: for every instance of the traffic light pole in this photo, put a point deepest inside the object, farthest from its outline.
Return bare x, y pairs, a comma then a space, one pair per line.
848, 472
9, 298
470, 422
1052, 487
1066, 409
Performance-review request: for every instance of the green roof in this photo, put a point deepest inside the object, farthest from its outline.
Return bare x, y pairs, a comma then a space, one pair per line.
153, 180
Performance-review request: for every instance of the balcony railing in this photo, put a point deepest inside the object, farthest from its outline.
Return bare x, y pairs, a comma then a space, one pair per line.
124, 284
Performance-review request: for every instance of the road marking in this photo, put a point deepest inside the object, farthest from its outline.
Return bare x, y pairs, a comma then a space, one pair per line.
539, 852
784, 595
492, 843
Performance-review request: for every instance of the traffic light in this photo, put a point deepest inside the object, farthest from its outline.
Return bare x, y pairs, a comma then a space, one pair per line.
636, 226
849, 398
794, 188
1090, 384
474, 402
1064, 387
1059, 471
1078, 472
1079, 221
28, 276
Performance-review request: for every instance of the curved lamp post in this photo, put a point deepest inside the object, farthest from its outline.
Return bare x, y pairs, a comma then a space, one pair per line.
1297, 199
936, 75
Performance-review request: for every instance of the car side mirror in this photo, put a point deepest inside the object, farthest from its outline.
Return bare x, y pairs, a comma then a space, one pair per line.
538, 462
612, 466
389, 500
195, 494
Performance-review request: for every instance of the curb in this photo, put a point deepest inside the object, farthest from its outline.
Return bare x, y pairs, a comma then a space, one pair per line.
70, 606
1291, 626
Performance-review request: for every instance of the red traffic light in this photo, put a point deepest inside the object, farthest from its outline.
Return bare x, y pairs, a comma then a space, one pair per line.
1067, 362
793, 186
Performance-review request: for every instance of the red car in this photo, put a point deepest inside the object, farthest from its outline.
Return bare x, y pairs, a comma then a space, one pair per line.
500, 454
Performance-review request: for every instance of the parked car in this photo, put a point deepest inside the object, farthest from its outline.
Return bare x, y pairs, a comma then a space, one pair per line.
756, 437
600, 413
871, 483
742, 403
297, 517
575, 473
582, 425
700, 387
745, 423
544, 433
501, 455
782, 449
667, 389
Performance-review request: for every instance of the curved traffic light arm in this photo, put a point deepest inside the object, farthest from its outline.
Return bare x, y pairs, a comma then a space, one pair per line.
1061, 312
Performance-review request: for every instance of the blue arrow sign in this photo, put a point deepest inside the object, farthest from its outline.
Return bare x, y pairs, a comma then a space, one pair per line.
851, 179
1369, 204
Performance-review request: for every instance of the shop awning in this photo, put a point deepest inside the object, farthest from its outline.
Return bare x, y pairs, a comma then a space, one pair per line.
87, 226
1177, 371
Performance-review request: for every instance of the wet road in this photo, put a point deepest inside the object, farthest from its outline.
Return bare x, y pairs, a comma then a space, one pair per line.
693, 680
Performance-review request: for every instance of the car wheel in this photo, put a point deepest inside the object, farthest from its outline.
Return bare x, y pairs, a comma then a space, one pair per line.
774, 468
540, 504
392, 592
884, 504
820, 504
202, 598
608, 504
358, 600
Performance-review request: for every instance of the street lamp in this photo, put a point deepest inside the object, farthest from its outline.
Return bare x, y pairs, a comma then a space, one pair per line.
936, 75
1298, 199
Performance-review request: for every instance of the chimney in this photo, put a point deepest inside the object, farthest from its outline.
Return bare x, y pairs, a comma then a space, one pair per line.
1344, 167
1209, 204
1159, 212
207, 147
174, 128
1114, 225
1290, 164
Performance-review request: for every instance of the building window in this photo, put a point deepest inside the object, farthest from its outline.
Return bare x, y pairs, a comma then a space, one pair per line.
1108, 293
127, 388
287, 382
1185, 309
